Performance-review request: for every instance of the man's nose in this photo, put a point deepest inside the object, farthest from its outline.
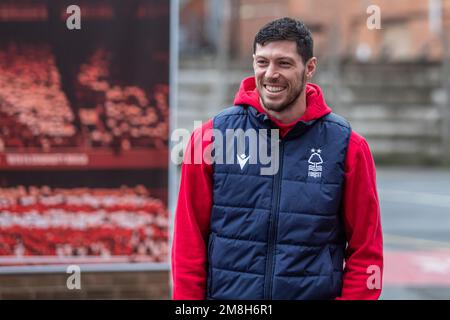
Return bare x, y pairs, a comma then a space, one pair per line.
272, 72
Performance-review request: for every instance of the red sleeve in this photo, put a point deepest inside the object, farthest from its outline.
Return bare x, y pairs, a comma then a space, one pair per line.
361, 213
192, 218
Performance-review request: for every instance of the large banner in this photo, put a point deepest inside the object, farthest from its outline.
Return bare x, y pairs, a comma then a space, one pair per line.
84, 91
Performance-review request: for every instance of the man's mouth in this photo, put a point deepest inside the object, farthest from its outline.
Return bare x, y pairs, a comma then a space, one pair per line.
274, 89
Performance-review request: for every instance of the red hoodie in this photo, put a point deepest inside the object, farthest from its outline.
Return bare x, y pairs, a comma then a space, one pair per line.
361, 212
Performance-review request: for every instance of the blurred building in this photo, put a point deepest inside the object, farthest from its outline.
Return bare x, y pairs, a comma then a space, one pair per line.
389, 78
410, 30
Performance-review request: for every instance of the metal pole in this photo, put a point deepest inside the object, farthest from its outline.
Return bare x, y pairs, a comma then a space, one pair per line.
223, 52
438, 27
173, 117
446, 107
334, 62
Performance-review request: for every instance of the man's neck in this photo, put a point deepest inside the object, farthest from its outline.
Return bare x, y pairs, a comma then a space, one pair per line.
291, 113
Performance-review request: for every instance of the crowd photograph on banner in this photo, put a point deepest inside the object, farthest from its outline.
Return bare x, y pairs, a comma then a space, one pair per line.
84, 113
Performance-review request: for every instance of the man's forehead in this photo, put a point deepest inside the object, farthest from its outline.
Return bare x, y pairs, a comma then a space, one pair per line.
277, 49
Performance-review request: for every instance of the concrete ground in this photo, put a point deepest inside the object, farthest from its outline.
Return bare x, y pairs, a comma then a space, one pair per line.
415, 213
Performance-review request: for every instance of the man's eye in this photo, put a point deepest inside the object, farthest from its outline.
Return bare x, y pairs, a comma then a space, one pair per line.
285, 63
261, 62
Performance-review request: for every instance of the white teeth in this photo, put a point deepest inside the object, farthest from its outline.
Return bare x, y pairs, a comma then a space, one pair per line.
274, 89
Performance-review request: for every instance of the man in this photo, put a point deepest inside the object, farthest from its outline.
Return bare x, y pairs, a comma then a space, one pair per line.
239, 234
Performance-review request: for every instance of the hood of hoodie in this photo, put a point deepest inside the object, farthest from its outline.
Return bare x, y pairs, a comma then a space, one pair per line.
315, 103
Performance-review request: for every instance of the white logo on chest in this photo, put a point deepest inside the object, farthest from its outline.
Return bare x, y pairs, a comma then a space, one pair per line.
242, 159
315, 164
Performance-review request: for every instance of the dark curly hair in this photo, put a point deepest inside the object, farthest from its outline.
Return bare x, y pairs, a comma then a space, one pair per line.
287, 29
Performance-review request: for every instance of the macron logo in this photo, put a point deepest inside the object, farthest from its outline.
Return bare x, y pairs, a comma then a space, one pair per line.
242, 159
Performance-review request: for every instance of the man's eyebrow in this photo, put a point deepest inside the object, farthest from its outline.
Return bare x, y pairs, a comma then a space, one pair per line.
286, 58
278, 58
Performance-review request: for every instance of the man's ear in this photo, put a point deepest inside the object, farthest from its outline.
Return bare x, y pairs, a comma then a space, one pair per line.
310, 68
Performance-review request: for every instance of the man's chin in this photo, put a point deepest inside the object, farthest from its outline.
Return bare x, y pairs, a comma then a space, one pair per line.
272, 106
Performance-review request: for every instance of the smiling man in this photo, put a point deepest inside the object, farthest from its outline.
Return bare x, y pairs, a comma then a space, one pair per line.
311, 230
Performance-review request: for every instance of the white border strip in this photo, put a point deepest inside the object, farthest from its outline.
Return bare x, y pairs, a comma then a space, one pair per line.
98, 267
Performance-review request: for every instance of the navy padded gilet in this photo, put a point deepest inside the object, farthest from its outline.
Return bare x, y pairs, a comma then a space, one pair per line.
279, 236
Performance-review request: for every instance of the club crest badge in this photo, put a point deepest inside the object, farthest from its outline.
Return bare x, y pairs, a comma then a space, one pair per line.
315, 164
